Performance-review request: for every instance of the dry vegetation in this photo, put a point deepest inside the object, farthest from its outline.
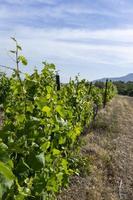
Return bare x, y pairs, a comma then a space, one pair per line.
109, 149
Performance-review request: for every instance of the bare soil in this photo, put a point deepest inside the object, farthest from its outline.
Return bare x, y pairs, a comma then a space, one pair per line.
109, 149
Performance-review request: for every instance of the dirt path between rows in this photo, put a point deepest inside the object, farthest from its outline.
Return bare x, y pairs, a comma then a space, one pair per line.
109, 149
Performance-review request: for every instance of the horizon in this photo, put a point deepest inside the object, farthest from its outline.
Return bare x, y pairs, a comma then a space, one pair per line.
117, 76
94, 39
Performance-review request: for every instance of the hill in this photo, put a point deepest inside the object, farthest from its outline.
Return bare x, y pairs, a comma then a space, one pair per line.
128, 77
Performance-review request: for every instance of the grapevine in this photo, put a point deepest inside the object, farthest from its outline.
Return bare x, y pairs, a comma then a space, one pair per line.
42, 124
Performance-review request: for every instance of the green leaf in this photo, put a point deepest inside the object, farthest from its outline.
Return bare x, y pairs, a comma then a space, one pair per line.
30, 108
20, 118
19, 47
62, 140
49, 89
40, 102
41, 158
56, 152
77, 130
4, 170
51, 66
59, 177
60, 110
20, 197
52, 184
12, 51
13, 39
23, 60
47, 110
64, 164
36, 162
48, 96
45, 146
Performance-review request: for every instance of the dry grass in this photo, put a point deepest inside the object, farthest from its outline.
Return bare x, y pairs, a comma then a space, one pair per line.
110, 150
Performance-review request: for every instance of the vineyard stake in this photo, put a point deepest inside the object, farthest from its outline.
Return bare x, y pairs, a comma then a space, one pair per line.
105, 94
58, 81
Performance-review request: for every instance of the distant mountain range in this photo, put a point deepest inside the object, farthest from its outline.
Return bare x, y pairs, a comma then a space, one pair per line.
128, 77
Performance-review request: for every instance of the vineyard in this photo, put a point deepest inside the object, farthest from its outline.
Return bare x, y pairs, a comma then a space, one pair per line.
43, 120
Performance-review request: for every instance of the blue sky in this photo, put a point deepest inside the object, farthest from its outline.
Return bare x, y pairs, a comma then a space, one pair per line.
90, 37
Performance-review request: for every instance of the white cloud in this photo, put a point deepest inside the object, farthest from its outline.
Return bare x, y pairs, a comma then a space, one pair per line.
29, 1
25, 11
52, 44
79, 35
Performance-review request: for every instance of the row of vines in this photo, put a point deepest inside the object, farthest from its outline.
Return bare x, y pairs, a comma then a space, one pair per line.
39, 137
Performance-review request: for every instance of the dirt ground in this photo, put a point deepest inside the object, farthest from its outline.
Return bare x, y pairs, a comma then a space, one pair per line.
109, 148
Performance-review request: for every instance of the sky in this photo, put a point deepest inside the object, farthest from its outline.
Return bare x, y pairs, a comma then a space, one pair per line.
91, 37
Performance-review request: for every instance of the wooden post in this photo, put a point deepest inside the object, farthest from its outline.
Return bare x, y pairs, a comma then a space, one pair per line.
105, 94
58, 81
90, 87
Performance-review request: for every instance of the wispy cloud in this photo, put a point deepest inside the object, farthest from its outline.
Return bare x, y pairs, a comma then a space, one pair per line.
52, 13
29, 2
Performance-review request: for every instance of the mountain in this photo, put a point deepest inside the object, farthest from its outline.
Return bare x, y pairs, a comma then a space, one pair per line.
128, 77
